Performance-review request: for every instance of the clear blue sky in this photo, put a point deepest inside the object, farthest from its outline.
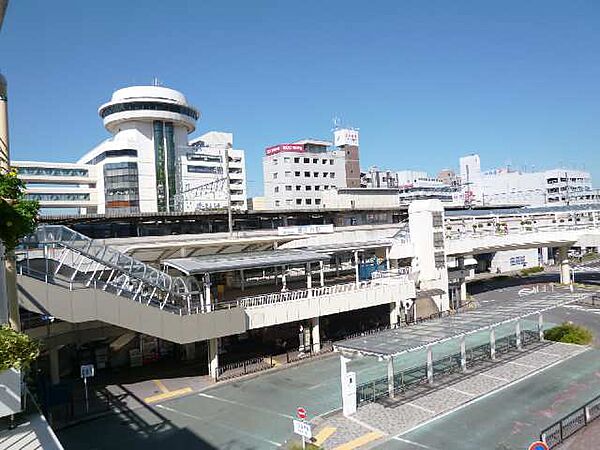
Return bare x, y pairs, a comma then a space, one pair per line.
425, 81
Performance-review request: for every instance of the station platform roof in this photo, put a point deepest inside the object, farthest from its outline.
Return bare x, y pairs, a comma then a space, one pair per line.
227, 262
397, 341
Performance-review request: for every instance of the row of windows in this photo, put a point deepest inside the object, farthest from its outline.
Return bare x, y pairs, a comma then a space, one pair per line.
52, 172
57, 197
149, 106
203, 157
572, 180
203, 169
307, 174
288, 188
127, 165
298, 160
113, 154
299, 201
517, 261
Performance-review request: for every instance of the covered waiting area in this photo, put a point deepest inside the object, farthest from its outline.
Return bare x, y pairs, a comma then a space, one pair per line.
392, 343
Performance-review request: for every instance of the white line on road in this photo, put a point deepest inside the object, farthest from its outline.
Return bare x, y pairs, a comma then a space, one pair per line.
219, 424
521, 364
416, 444
233, 402
366, 425
493, 377
420, 407
460, 392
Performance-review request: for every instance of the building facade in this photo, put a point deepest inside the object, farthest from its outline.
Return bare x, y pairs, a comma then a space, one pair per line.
147, 165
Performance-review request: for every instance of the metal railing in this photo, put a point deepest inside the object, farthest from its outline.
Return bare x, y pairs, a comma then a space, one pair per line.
556, 433
522, 230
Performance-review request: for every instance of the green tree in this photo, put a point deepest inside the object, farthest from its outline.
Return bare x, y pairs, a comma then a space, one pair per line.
18, 215
17, 350
569, 333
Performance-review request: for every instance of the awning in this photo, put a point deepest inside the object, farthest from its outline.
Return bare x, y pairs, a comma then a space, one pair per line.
247, 260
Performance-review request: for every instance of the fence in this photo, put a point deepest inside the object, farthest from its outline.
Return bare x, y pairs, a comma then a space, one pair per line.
372, 391
556, 433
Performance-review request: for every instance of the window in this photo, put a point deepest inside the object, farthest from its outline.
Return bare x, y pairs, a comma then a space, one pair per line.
288, 174
298, 201
325, 174
296, 174
317, 188
275, 161
276, 202
296, 160
317, 201
274, 175
307, 174
276, 189
298, 187
331, 162
315, 160
288, 188
202, 169
286, 159
316, 174
326, 187
306, 160
308, 188
308, 201
149, 106
331, 174
288, 202
324, 161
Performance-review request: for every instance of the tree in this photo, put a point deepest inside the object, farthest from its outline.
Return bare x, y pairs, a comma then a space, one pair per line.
17, 350
19, 215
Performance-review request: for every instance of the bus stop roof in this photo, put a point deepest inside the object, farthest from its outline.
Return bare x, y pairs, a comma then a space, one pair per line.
225, 262
406, 339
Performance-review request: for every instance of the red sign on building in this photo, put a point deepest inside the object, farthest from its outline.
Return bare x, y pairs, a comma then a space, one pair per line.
297, 148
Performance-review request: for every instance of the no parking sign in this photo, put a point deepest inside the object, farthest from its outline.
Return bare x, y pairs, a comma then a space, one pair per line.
538, 445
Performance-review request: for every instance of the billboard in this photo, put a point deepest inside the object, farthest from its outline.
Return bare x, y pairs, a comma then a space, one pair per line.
345, 136
284, 148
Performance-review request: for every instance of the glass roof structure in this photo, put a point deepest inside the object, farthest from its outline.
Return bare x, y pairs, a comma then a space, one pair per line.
520, 211
395, 342
226, 262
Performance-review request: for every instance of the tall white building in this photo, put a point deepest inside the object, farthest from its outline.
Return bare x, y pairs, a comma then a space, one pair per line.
297, 174
510, 187
147, 165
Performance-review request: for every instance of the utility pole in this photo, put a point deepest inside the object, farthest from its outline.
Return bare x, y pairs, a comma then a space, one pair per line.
7, 257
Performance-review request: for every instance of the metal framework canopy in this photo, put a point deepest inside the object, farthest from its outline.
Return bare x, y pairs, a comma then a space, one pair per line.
395, 342
226, 262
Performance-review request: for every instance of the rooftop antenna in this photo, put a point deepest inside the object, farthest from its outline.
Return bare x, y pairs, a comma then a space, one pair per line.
156, 82
337, 123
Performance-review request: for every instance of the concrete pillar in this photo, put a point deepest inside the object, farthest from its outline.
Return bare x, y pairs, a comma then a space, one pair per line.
429, 365
54, 366
541, 326
387, 258
356, 267
493, 343
565, 268
308, 276
242, 280
189, 351
283, 279
518, 335
213, 358
394, 314
463, 354
321, 273
315, 334
463, 291
207, 299
390, 375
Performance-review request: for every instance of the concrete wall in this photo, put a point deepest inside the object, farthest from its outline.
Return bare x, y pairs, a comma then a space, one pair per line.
514, 260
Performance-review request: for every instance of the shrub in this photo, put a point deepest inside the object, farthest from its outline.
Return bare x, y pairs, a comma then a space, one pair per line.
569, 333
17, 350
532, 270
19, 215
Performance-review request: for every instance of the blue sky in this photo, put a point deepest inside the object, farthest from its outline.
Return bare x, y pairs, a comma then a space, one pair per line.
425, 81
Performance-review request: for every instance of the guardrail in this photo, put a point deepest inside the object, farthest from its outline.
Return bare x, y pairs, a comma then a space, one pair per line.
556, 433
457, 235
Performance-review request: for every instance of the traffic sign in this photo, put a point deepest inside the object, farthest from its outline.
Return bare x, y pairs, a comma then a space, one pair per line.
301, 412
87, 371
538, 445
303, 429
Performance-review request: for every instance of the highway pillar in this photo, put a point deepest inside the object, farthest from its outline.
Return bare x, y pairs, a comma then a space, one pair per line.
356, 274
283, 280
394, 311
463, 291
463, 354
213, 358
518, 335
54, 366
308, 276
315, 334
387, 258
429, 365
207, 300
321, 273
565, 268
493, 343
541, 326
390, 375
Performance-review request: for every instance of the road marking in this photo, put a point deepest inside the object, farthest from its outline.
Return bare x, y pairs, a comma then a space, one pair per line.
233, 402
493, 377
460, 392
521, 364
219, 425
420, 407
360, 441
167, 395
161, 386
364, 424
323, 435
416, 444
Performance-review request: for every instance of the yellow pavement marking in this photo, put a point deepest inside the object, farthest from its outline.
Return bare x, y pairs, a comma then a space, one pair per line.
167, 395
363, 440
323, 435
161, 386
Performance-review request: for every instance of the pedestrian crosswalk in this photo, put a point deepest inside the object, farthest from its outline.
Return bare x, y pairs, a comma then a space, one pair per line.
584, 308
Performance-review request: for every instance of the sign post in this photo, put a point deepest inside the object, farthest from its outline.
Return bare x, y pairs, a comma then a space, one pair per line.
87, 371
301, 427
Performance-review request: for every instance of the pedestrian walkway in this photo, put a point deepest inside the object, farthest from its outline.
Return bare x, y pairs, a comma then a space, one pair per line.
391, 418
